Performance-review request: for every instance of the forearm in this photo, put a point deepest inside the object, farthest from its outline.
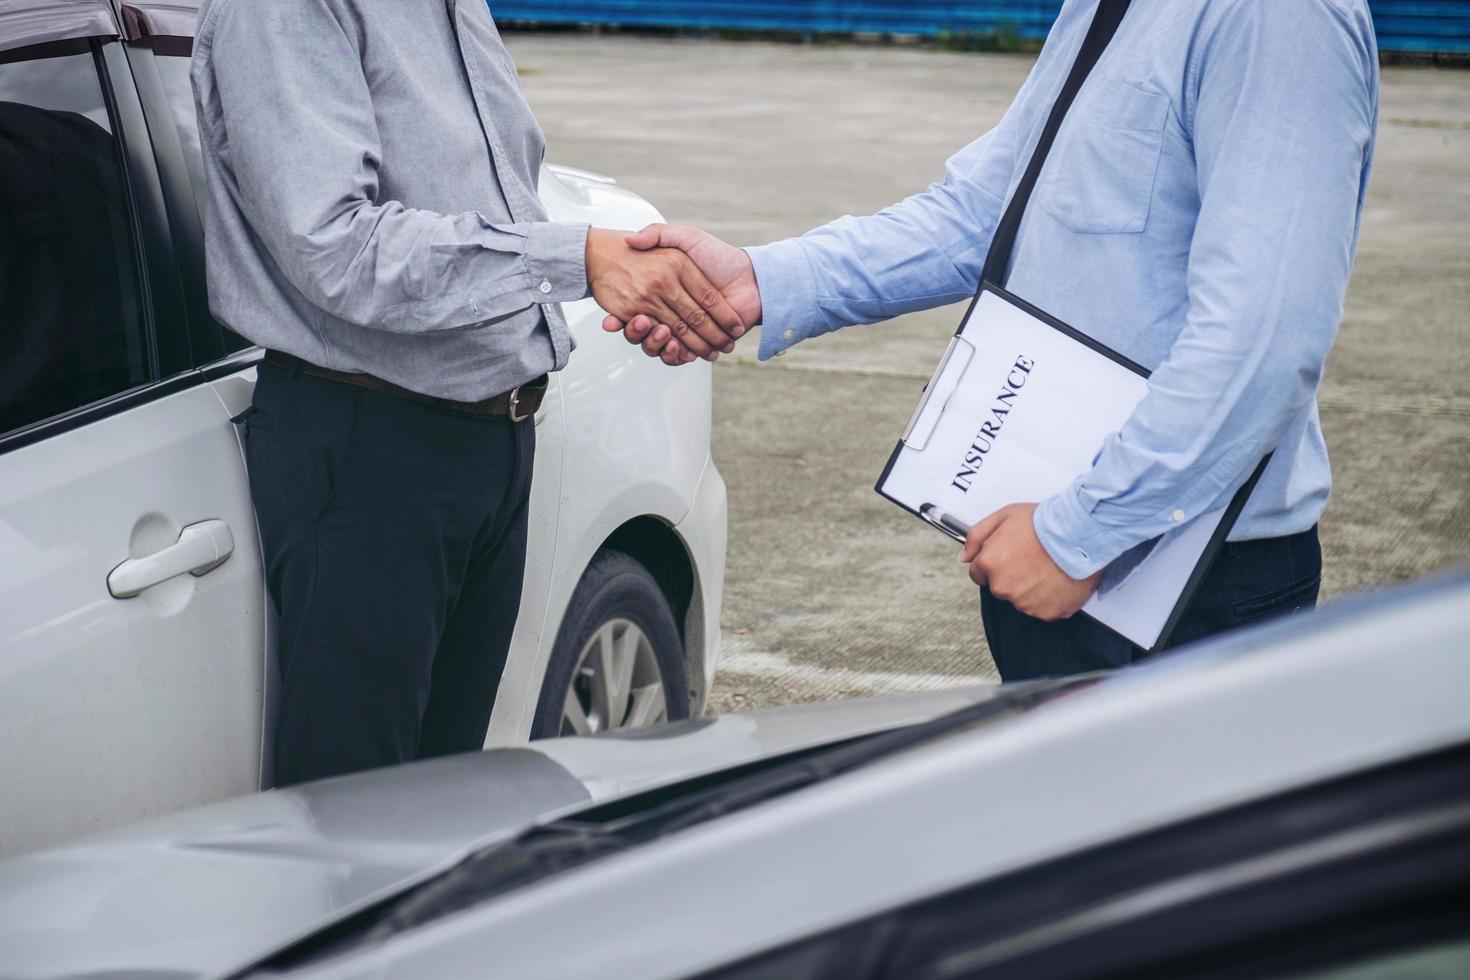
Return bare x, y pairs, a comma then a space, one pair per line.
410, 271
851, 272
1194, 440
923, 252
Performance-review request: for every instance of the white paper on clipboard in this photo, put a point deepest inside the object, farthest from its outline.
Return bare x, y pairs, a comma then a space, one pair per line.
991, 431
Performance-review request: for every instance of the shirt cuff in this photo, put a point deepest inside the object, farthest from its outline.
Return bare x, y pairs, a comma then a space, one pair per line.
788, 296
556, 261
1073, 537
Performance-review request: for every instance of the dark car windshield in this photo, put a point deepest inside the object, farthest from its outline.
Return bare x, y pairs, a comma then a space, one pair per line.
574, 840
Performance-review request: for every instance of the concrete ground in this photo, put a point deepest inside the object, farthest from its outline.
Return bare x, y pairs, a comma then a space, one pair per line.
833, 592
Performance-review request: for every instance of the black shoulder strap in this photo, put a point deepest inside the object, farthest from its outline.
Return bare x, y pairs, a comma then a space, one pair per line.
1104, 25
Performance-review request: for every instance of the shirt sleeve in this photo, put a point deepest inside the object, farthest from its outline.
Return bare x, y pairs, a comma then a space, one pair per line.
303, 151
923, 252
1282, 122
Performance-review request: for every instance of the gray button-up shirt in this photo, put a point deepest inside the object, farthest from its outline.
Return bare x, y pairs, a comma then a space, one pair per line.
371, 171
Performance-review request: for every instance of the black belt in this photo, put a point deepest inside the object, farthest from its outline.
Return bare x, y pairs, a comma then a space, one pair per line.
518, 404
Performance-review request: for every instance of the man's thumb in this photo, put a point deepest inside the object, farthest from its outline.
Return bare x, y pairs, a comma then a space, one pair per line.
650, 237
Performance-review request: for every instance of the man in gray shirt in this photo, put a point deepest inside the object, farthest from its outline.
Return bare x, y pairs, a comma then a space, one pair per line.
373, 222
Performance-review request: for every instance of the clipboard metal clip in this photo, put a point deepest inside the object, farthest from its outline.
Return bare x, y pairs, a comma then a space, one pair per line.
941, 389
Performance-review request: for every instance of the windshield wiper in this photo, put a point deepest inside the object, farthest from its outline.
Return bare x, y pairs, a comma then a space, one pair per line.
493, 871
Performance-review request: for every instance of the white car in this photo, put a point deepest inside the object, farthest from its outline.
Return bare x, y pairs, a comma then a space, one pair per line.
136, 666
1288, 801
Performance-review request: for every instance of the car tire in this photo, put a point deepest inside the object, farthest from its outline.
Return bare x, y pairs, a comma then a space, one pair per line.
617, 613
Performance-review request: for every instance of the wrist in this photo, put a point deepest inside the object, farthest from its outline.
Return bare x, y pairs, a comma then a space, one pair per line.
599, 241
787, 294
748, 270
1069, 535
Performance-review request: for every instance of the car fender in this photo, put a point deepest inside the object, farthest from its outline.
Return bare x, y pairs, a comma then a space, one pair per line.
622, 456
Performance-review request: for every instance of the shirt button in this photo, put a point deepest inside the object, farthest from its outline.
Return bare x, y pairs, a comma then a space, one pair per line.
545, 286
787, 334
1178, 516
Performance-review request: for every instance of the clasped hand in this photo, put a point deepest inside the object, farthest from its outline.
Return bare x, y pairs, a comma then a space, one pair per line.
700, 299
662, 291
1006, 555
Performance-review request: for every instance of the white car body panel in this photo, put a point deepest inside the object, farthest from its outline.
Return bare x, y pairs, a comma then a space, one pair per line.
112, 710
115, 709
634, 441
1157, 744
704, 532
226, 882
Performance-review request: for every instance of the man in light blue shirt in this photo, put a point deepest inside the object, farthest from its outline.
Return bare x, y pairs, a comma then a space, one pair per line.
1199, 213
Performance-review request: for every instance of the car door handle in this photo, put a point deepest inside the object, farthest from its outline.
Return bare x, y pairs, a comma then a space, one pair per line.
201, 549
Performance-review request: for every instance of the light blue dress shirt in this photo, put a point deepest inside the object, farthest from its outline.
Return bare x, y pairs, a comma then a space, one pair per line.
1199, 213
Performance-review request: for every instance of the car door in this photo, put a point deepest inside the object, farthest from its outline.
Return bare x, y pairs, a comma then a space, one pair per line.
131, 604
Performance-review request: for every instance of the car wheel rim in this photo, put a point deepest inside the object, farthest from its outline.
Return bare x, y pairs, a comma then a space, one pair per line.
617, 683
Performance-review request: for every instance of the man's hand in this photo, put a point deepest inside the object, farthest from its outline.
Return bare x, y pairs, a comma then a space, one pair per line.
727, 268
1004, 553
665, 285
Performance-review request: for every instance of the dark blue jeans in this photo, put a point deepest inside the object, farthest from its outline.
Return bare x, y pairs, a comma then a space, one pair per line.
1250, 582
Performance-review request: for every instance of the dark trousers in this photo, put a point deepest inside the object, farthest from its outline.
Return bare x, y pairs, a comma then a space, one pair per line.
1250, 582
395, 541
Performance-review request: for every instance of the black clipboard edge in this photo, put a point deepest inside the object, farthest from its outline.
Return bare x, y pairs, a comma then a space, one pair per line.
1207, 558
1054, 323
898, 448
899, 503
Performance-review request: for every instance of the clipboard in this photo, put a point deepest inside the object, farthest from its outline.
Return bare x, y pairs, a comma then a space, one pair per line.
1032, 431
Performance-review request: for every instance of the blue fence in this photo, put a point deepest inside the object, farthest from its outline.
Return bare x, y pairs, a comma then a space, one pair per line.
1403, 25
1422, 25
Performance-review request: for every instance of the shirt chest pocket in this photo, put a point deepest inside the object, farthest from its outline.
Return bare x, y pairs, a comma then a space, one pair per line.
1099, 177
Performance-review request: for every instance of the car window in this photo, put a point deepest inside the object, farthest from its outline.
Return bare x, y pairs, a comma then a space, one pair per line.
71, 316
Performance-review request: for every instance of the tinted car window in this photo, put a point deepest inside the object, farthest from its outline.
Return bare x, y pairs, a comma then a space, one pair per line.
71, 322
173, 68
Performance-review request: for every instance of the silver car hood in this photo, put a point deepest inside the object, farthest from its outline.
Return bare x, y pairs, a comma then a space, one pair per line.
207, 891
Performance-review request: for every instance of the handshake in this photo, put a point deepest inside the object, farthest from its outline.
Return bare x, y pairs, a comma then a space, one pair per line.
679, 293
